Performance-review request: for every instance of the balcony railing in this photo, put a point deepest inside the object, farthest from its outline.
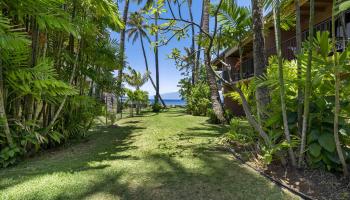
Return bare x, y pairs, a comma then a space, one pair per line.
247, 71
289, 49
289, 46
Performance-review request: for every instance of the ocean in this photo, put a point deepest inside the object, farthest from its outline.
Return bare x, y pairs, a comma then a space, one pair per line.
172, 102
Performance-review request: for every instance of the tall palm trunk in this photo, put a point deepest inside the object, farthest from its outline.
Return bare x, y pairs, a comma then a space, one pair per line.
156, 56
307, 92
298, 52
261, 93
277, 23
189, 3
29, 99
337, 101
147, 68
214, 92
122, 50
3, 117
198, 56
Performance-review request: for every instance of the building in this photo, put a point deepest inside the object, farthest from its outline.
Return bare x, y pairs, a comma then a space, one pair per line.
323, 14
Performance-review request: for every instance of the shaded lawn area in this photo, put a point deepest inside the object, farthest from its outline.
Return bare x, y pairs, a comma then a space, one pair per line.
157, 156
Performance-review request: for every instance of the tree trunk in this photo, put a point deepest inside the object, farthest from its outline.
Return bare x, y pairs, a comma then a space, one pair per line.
250, 117
214, 91
132, 109
299, 70
259, 54
106, 107
337, 98
3, 117
189, 3
252, 121
307, 85
198, 56
156, 56
122, 50
147, 69
277, 23
29, 99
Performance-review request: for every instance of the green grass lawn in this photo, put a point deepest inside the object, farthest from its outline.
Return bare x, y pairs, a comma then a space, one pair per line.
158, 156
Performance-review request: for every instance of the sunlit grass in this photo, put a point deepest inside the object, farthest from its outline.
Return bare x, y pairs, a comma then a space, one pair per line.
169, 155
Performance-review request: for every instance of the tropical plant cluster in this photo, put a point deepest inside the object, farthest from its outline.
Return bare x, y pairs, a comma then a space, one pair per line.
306, 121
56, 63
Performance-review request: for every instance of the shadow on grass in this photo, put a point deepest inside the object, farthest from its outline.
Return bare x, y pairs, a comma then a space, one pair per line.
207, 130
219, 178
103, 144
178, 168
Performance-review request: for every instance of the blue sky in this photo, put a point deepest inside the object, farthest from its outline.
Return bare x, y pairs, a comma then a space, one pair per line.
169, 75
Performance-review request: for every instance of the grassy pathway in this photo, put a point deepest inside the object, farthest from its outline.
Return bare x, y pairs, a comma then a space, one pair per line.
166, 156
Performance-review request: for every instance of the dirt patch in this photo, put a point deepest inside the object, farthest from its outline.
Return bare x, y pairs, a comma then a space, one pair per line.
315, 183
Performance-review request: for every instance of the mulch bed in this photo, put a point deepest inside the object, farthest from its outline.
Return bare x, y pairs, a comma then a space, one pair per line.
308, 183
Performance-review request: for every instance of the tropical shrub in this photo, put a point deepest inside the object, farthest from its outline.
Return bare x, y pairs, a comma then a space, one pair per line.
212, 116
156, 107
321, 151
57, 59
241, 132
198, 100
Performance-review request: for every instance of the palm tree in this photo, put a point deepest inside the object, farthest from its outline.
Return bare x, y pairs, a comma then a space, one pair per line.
156, 54
137, 80
307, 91
12, 41
122, 49
259, 54
215, 98
192, 55
198, 56
236, 22
138, 29
277, 24
122, 41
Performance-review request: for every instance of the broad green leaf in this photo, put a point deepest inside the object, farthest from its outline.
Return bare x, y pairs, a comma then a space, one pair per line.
313, 136
315, 149
344, 6
326, 140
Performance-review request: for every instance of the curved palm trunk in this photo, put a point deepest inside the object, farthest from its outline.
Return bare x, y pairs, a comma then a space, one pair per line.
250, 117
337, 101
214, 92
147, 68
247, 111
277, 23
298, 51
261, 93
3, 117
122, 50
307, 92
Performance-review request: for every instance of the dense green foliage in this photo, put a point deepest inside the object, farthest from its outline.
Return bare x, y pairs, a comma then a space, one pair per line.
198, 99
56, 63
321, 149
